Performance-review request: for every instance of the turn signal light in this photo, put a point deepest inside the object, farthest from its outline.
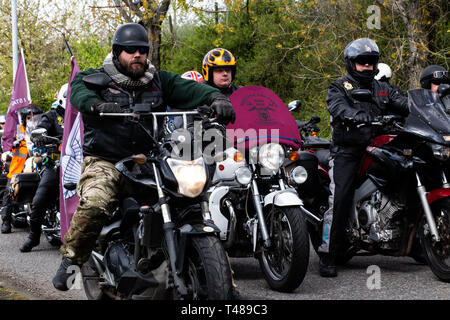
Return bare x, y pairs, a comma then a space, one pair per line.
293, 156
238, 157
140, 159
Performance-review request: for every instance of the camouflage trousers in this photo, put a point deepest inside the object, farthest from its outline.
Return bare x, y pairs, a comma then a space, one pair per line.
98, 189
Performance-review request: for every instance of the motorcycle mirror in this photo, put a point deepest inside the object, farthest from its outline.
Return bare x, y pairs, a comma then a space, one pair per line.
444, 89
295, 105
314, 119
38, 132
361, 94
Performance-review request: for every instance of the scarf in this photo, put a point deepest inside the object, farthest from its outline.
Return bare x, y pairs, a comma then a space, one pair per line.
125, 81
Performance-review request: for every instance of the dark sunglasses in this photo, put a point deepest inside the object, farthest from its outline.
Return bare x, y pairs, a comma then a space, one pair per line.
133, 49
366, 60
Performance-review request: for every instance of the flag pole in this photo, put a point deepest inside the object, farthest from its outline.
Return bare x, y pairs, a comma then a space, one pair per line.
14, 37
68, 47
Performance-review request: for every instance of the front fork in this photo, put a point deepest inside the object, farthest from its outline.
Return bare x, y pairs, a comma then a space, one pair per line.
259, 213
426, 206
169, 227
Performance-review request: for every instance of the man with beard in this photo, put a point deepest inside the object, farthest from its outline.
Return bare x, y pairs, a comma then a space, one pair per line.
126, 78
351, 133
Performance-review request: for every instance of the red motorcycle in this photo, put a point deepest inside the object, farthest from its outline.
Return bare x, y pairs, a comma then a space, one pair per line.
401, 206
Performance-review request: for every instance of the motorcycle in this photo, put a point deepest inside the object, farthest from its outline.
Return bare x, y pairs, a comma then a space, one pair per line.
251, 202
401, 206
314, 157
24, 185
160, 243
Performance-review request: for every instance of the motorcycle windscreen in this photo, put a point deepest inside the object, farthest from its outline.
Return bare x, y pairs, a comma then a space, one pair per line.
427, 117
261, 117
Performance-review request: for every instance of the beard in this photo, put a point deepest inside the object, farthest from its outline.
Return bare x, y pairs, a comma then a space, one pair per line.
136, 69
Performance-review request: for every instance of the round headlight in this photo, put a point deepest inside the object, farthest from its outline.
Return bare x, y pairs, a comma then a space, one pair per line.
299, 175
243, 175
271, 156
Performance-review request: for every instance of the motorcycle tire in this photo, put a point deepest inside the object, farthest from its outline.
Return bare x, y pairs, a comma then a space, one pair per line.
92, 282
437, 254
207, 270
285, 263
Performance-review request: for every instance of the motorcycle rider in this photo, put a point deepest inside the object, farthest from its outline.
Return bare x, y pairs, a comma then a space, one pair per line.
47, 191
219, 69
127, 77
432, 76
18, 156
384, 75
350, 141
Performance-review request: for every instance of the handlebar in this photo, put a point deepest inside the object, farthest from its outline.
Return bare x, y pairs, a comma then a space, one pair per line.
309, 127
377, 121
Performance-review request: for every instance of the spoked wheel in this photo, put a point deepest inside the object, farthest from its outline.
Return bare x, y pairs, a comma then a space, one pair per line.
207, 271
284, 264
437, 253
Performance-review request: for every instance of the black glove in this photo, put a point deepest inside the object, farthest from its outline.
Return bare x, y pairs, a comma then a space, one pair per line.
40, 142
106, 107
362, 117
223, 109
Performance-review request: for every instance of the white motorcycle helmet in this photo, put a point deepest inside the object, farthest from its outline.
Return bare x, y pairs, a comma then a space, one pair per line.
61, 97
384, 73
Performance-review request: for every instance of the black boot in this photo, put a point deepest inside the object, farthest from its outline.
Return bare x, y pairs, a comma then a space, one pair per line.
6, 226
62, 275
327, 267
33, 238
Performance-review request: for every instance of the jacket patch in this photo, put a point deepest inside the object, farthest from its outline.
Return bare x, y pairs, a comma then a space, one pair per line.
348, 85
383, 93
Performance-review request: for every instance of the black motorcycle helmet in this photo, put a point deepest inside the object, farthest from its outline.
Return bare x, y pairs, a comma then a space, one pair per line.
433, 73
31, 109
363, 50
129, 35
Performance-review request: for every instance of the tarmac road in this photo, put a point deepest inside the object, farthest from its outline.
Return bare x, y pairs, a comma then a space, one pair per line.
388, 278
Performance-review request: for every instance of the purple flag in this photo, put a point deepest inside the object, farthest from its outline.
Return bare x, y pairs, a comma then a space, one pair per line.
71, 157
20, 98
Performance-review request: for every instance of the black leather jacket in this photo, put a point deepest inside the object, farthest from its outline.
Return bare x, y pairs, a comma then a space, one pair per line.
53, 122
341, 105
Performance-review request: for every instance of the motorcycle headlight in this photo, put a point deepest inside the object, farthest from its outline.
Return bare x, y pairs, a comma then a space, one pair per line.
243, 175
440, 152
271, 156
190, 175
299, 175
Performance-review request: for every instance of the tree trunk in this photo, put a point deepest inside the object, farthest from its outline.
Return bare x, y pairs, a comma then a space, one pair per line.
151, 19
410, 13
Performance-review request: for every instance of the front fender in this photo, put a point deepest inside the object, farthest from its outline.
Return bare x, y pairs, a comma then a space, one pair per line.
437, 194
189, 230
283, 198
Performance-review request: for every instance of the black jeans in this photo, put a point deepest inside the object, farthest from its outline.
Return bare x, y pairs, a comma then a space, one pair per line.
7, 209
46, 193
344, 170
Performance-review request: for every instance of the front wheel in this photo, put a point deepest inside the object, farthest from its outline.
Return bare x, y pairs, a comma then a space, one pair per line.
284, 264
437, 254
207, 270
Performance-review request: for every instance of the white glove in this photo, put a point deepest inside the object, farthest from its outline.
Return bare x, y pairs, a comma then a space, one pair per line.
6, 155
